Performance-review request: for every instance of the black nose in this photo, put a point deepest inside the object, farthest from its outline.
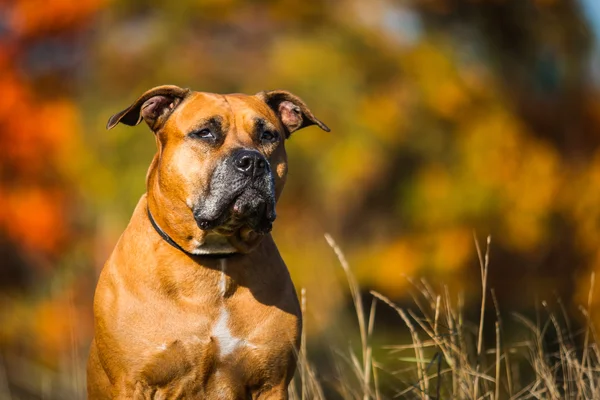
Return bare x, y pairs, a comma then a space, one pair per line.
250, 163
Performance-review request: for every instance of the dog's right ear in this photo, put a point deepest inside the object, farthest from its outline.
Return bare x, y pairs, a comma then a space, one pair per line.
154, 107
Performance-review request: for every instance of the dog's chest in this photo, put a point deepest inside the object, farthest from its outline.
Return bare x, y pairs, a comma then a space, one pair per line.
226, 341
243, 343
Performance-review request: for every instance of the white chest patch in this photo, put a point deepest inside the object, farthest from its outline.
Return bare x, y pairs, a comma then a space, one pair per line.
227, 342
220, 331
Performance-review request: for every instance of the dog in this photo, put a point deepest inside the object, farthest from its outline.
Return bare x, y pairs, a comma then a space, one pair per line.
195, 302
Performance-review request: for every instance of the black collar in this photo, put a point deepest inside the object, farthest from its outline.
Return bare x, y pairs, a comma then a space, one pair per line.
169, 240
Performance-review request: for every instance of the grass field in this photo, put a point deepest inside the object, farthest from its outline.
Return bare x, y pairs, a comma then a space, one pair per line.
447, 359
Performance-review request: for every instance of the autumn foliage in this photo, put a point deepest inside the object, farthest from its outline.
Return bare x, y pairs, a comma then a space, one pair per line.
39, 132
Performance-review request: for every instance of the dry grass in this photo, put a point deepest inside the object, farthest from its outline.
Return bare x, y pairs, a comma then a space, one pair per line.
449, 358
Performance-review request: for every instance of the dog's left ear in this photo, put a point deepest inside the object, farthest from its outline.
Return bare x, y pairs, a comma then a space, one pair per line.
154, 107
293, 113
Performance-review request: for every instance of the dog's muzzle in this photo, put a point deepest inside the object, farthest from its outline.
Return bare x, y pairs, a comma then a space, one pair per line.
242, 193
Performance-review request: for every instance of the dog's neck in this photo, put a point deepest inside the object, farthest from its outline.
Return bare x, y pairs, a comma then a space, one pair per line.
154, 260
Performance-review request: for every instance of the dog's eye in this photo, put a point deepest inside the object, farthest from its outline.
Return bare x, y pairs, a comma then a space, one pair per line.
268, 136
203, 134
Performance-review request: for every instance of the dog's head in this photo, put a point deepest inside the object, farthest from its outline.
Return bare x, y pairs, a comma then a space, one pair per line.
221, 163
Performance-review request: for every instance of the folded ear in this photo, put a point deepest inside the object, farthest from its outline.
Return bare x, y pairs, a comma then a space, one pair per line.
293, 113
154, 107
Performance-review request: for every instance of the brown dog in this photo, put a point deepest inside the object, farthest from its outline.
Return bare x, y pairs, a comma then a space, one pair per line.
195, 302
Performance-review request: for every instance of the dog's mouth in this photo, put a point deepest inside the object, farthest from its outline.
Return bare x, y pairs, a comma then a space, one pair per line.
244, 215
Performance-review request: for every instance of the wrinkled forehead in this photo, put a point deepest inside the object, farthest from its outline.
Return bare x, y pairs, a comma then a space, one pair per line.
229, 110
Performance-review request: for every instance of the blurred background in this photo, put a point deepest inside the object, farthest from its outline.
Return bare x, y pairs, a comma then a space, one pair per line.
449, 118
